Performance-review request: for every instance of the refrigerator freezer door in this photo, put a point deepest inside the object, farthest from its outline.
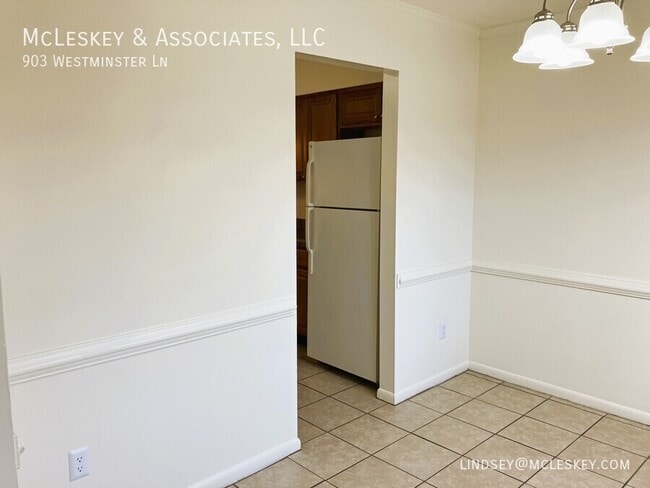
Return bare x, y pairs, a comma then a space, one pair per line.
344, 173
343, 290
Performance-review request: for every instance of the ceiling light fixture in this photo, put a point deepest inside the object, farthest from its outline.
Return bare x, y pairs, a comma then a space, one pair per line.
602, 25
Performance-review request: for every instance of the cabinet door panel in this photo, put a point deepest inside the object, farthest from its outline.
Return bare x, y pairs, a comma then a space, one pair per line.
360, 108
302, 293
302, 136
323, 117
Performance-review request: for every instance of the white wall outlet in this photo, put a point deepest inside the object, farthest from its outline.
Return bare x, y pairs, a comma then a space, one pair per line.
78, 463
442, 330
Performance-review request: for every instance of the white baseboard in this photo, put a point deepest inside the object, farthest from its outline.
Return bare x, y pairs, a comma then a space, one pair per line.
250, 466
417, 388
387, 396
558, 391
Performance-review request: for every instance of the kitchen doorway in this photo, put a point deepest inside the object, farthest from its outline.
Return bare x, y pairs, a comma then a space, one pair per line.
355, 104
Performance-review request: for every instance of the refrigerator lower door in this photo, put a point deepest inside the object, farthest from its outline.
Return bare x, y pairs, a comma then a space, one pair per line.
343, 290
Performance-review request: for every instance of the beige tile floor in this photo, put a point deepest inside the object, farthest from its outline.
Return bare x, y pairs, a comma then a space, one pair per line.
350, 439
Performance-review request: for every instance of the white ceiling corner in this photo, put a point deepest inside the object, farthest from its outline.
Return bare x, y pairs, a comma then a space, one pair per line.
483, 14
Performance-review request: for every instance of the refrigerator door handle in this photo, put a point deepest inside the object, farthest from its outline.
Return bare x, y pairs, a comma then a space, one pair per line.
310, 163
310, 251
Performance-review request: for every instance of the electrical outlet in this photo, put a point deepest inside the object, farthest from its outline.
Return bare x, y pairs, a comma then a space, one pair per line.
442, 330
78, 463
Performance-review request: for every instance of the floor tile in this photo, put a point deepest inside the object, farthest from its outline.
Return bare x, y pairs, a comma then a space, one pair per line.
324, 484
453, 434
307, 431
501, 451
417, 456
286, 473
329, 382
328, 413
628, 421
571, 478
577, 405
459, 475
565, 416
407, 415
326, 456
373, 473
307, 395
441, 399
621, 435
538, 435
642, 478
485, 376
468, 384
363, 397
598, 453
484, 415
527, 390
511, 399
369, 433
309, 367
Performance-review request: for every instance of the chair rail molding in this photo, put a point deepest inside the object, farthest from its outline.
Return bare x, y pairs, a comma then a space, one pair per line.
440, 271
76, 356
571, 279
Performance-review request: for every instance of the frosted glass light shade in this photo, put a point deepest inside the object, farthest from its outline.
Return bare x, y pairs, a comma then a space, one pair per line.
542, 43
570, 57
602, 25
643, 53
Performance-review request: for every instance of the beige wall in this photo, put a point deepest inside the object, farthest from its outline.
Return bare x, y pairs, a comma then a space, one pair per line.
313, 76
562, 182
143, 201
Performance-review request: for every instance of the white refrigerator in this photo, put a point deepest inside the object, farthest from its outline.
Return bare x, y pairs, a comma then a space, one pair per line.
342, 234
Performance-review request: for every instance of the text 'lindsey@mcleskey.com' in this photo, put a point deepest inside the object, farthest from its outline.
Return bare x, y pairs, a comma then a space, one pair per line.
526, 464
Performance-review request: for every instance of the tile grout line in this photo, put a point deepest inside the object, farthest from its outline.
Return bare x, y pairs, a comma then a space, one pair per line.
601, 415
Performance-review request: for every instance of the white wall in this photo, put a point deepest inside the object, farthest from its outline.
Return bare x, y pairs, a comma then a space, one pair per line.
131, 199
435, 184
7, 454
562, 182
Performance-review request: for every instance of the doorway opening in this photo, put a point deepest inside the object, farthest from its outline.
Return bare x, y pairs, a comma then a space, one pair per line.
346, 287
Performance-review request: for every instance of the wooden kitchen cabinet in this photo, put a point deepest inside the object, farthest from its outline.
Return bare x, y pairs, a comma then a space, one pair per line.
360, 106
338, 114
315, 121
302, 276
302, 136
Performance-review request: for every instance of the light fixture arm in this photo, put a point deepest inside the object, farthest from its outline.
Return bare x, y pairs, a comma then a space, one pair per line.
570, 12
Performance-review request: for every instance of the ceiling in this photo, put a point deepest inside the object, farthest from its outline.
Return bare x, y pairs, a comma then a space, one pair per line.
484, 13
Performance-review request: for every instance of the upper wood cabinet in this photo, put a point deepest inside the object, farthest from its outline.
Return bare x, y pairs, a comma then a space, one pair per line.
315, 121
338, 114
360, 106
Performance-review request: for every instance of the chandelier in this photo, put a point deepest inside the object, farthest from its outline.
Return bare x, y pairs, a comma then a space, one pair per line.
602, 25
